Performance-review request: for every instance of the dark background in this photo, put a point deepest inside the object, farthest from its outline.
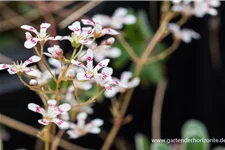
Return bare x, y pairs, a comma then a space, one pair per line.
195, 89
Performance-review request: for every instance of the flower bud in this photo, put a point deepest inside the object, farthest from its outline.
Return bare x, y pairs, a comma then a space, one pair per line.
109, 41
33, 82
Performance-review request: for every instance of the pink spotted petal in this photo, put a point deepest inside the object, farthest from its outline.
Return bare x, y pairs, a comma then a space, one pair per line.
87, 22
36, 108
31, 72
31, 60
4, 66
76, 28
30, 43
77, 63
51, 103
102, 64
44, 27
12, 70
29, 28
61, 124
43, 121
83, 76
110, 31
89, 58
110, 91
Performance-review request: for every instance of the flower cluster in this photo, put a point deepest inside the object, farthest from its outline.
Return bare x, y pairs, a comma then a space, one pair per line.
198, 8
61, 68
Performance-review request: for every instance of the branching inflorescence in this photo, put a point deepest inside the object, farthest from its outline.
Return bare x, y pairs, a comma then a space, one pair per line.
64, 80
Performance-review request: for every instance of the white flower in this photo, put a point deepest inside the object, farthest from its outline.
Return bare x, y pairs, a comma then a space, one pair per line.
50, 115
117, 20
19, 68
79, 35
98, 30
105, 80
124, 80
199, 8
41, 36
55, 52
90, 70
202, 8
185, 34
81, 129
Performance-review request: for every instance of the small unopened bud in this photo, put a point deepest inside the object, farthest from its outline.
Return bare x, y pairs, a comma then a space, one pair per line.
33, 82
59, 51
109, 41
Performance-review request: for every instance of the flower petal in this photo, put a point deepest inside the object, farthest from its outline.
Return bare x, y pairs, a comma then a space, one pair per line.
129, 19
103, 20
73, 134
102, 64
35, 108
97, 122
55, 63
110, 31
61, 124
107, 70
29, 28
87, 22
4, 66
31, 72
51, 103
81, 117
76, 28
44, 27
89, 58
12, 70
77, 63
110, 91
114, 52
95, 130
64, 108
83, 76
134, 83
125, 76
30, 43
120, 12
32, 59
43, 121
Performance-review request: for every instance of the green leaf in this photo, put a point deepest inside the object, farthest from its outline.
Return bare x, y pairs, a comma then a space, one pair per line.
219, 148
143, 23
195, 131
160, 146
141, 142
